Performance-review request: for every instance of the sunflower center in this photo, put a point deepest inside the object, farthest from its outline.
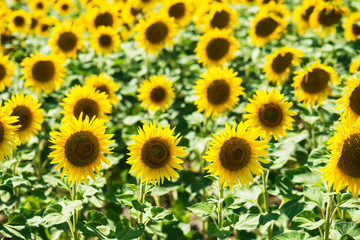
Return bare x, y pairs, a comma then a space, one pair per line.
2, 72
105, 40
39, 5
82, 148
156, 32
356, 29
43, 71
157, 94
44, 27
235, 154
67, 41
6, 38
217, 48
19, 21
220, 20
267, 1
307, 14
270, 115
281, 63
103, 88
177, 10
266, 27
155, 153
329, 18
355, 100
2, 132
25, 116
135, 11
104, 19
349, 160
315, 81
34, 22
64, 7
218, 92
88, 107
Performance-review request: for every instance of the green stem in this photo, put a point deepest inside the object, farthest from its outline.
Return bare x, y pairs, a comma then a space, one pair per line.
265, 178
220, 208
76, 213
37, 159
328, 216
141, 200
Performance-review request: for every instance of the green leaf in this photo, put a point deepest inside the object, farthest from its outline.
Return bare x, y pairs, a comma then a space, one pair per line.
294, 235
96, 218
202, 209
284, 185
219, 233
247, 221
306, 219
16, 219
268, 218
124, 230
350, 228
86, 191
159, 214
233, 218
17, 182
16, 227
139, 206
315, 195
125, 198
347, 202
96, 226
346, 237
316, 156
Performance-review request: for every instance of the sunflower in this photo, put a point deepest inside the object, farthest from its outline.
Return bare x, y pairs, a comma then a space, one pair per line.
155, 31
350, 100
266, 2
66, 39
217, 91
154, 153
157, 93
277, 65
64, 7
39, 7
19, 21
302, 15
343, 168
43, 73
104, 83
45, 25
86, 100
220, 16
105, 15
146, 5
352, 26
312, 83
234, 154
355, 66
270, 111
105, 40
79, 148
180, 10
8, 136
30, 115
131, 13
216, 47
7, 69
265, 27
277, 8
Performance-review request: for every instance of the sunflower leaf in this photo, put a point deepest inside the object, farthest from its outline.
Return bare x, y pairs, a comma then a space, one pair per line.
124, 230
306, 219
202, 209
16, 227
220, 233
295, 235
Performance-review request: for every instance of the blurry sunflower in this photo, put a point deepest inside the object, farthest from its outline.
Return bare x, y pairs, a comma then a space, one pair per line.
157, 93
154, 154
8, 136
104, 83
7, 69
302, 14
105, 40
216, 47
352, 26
277, 65
277, 8
30, 115
355, 66
220, 16
39, 7
90, 3
350, 100
131, 13
265, 2
155, 31
19, 21
34, 23
104, 15
43, 73
312, 83
79, 148
86, 100
343, 168
146, 5
6, 40
270, 111
218, 91
66, 39
44, 25
64, 7
180, 10
325, 17
234, 154
265, 27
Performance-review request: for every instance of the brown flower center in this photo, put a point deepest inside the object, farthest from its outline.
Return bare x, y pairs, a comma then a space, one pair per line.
235, 154
267, 1
220, 20
105, 40
2, 72
67, 41
65, 7
44, 27
43, 71
217, 48
307, 14
6, 38
218, 92
155, 153
281, 63
82, 148
104, 19
135, 11
349, 160
34, 22
355, 100
19, 21
356, 29
270, 115
25, 117
156, 32
177, 10
103, 88
157, 94
40, 5
88, 107
329, 18
2, 132
315, 81
266, 27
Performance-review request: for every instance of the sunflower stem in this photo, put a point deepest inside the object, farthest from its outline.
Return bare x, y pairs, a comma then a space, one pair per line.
141, 200
265, 178
328, 215
76, 212
220, 207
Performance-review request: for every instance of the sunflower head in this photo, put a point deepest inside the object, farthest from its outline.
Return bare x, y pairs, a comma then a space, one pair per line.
8, 136
19, 21
234, 154
352, 26
64, 7
220, 16
154, 153
7, 69
105, 40
180, 10
104, 15
39, 7
355, 66
350, 100
302, 15
105, 84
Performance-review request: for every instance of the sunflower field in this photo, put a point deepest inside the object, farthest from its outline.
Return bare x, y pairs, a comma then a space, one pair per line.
179, 119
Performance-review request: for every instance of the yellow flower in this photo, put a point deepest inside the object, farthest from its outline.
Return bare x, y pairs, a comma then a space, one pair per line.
156, 94
216, 47
350, 100
19, 21
154, 154
131, 13
180, 10
7, 69
8, 136
352, 26
277, 65
45, 25
104, 83
270, 111
220, 16
343, 168
355, 66
105, 15
64, 7
234, 154
30, 115
218, 91
105, 40
312, 83
262, 3
277, 8
39, 7
302, 15
6, 38
79, 147
43, 73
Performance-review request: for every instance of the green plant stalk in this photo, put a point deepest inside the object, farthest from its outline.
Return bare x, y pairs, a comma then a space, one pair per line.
37, 160
220, 208
76, 213
328, 216
265, 198
141, 200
